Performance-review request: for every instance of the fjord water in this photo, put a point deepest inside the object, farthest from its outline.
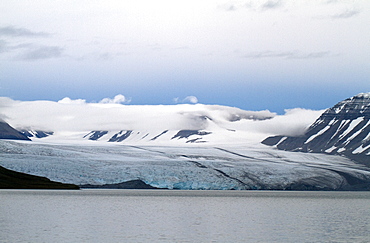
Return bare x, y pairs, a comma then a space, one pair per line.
183, 216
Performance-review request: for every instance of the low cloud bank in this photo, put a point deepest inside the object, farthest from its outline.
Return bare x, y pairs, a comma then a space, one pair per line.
293, 123
77, 115
118, 99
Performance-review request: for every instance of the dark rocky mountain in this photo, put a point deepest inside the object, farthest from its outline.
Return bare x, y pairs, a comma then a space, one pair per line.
343, 129
191, 136
188, 133
119, 137
36, 133
8, 132
15, 180
95, 135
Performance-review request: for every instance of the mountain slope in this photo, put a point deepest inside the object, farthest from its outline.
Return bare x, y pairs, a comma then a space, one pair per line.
343, 129
15, 180
8, 132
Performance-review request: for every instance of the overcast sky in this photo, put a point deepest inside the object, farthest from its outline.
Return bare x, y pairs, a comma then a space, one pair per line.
255, 55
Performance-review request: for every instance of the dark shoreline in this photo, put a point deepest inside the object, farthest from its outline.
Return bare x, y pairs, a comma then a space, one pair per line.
10, 179
134, 184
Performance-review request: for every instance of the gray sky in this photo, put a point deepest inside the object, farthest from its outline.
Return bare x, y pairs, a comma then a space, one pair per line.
254, 55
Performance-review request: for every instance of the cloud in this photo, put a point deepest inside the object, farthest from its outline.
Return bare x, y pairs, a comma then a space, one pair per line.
271, 4
30, 52
3, 46
12, 31
118, 99
68, 100
331, 1
330, 9
78, 115
287, 55
231, 8
41, 52
334, 9
5, 102
68, 117
346, 14
258, 6
189, 99
27, 51
293, 123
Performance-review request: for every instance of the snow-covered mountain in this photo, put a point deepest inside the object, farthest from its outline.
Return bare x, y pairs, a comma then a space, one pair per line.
343, 129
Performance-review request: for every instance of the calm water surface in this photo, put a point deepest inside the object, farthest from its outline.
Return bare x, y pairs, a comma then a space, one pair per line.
183, 216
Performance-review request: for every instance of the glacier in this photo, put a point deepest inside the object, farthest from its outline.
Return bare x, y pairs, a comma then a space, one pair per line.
189, 167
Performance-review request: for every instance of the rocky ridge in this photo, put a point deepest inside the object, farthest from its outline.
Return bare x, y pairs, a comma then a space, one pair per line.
8, 132
343, 129
15, 180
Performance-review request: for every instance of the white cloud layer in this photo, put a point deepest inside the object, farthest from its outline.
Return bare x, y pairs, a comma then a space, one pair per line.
118, 99
191, 99
293, 123
21, 32
67, 100
71, 116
